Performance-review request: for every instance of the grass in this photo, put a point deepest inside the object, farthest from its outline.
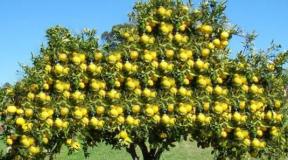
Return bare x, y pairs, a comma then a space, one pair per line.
182, 151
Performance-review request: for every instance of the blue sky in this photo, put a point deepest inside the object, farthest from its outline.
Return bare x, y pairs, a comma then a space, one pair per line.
23, 24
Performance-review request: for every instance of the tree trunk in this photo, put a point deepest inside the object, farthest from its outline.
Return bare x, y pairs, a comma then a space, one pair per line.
132, 151
152, 154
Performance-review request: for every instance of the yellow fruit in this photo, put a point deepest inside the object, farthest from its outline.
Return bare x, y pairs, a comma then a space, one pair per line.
219, 80
50, 122
31, 96
130, 120
46, 86
253, 88
170, 107
94, 121
259, 133
9, 141
45, 140
237, 81
271, 67
75, 145
11, 109
64, 111
92, 67
278, 117
178, 37
242, 105
256, 143
164, 65
123, 134
65, 124
218, 90
145, 39
161, 11
156, 118
59, 123
217, 42
69, 141
182, 27
28, 112
98, 56
247, 142
62, 57
25, 141
165, 119
112, 59
206, 65
224, 35
206, 29
59, 87
78, 114
34, 150
128, 66
42, 96
224, 134
147, 92
101, 124
136, 108
114, 113
85, 121
149, 111
255, 79
237, 117
186, 81
211, 46
182, 91
120, 119
76, 60
134, 55
206, 106
277, 103
182, 109
100, 110
148, 29
44, 115
48, 68
209, 89
169, 53
166, 28
274, 132
245, 88
199, 64
205, 52
66, 94
58, 69
166, 83
218, 108
201, 117
173, 90
66, 70
239, 134
20, 121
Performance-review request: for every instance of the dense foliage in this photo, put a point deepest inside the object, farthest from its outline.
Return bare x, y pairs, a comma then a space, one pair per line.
164, 76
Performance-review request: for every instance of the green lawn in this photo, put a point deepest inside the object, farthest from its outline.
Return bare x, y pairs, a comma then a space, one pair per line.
182, 151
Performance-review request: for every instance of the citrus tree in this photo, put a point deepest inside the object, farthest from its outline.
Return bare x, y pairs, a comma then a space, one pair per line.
163, 77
